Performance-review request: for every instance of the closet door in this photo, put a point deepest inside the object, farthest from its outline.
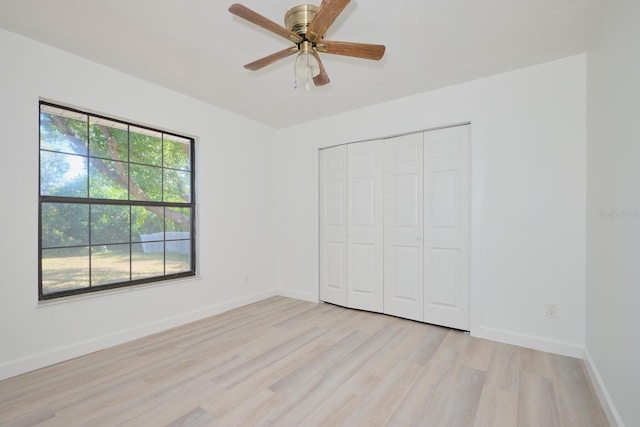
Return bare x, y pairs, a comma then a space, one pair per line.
447, 230
364, 226
403, 211
333, 225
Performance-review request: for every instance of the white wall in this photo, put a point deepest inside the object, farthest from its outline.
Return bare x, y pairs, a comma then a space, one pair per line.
236, 209
528, 137
613, 210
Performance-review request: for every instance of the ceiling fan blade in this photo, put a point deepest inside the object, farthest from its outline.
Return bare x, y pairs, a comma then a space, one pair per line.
322, 78
357, 50
327, 14
268, 60
255, 18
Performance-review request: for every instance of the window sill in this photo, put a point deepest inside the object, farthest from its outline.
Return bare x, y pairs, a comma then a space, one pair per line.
115, 291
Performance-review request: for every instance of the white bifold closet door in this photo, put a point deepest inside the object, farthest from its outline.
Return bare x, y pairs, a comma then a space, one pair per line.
364, 226
333, 225
403, 207
447, 227
395, 226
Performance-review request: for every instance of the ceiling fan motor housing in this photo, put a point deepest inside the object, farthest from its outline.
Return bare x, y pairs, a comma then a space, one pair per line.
298, 18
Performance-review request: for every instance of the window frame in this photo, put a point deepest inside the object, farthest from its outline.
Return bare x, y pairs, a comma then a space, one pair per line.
131, 203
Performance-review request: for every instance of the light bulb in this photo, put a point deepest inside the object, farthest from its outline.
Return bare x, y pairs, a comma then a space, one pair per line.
306, 68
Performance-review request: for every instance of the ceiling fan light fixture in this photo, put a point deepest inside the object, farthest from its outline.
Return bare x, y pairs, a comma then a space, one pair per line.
306, 66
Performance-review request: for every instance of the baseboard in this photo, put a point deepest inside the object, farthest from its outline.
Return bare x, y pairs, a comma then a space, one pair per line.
60, 354
530, 341
304, 296
601, 390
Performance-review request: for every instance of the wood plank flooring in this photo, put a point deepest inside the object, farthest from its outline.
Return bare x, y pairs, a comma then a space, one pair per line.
283, 362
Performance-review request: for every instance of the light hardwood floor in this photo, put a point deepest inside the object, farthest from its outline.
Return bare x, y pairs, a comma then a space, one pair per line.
293, 363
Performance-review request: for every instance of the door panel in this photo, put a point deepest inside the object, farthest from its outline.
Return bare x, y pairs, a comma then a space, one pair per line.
333, 225
403, 211
335, 256
364, 226
406, 211
363, 193
444, 276
362, 276
446, 227
406, 273
445, 199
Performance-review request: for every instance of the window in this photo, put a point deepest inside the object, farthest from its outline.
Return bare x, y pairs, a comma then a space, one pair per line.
117, 203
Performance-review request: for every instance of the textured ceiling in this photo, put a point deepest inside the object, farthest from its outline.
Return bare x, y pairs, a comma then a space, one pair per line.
198, 48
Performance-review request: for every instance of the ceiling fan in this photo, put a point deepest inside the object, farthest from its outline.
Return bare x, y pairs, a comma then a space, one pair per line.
305, 27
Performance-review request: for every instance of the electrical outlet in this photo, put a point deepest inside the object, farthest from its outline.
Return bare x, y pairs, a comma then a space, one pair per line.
551, 311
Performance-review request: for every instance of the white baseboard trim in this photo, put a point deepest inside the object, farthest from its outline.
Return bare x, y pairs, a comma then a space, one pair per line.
60, 354
530, 341
304, 296
601, 390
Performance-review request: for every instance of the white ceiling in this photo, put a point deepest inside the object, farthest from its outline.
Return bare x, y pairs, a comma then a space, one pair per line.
198, 48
